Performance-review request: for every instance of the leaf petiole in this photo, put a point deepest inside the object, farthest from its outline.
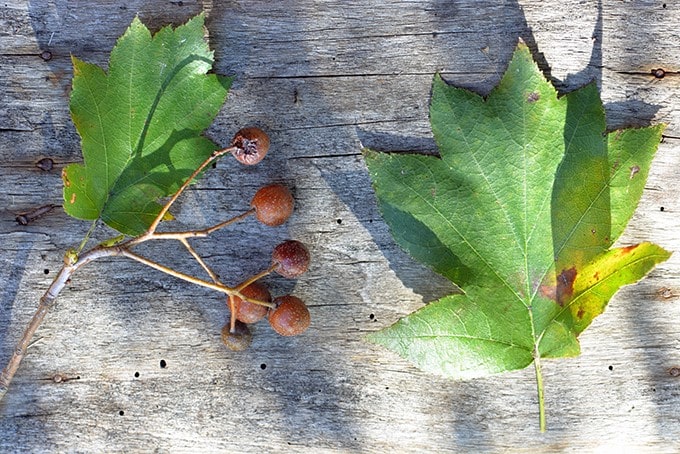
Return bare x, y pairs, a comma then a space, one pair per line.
86, 238
539, 389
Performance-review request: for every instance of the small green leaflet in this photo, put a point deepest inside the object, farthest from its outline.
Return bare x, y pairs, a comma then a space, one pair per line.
520, 211
140, 124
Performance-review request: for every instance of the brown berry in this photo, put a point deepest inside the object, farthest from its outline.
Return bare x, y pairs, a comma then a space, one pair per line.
240, 339
248, 312
291, 258
290, 317
251, 145
273, 204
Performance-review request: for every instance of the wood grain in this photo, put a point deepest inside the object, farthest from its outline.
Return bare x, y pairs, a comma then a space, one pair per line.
131, 360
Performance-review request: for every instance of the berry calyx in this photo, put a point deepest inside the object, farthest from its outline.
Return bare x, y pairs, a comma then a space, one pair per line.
238, 340
248, 312
290, 258
290, 317
273, 204
251, 145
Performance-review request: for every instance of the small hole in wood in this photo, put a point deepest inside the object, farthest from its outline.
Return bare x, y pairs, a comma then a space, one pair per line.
661, 209
122, 413
45, 164
263, 366
163, 364
372, 316
136, 374
339, 221
659, 73
46, 271
611, 367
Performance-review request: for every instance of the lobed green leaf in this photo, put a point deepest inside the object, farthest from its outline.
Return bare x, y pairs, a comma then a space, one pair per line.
520, 210
140, 124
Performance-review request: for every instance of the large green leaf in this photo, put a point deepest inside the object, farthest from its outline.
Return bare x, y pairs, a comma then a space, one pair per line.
520, 210
141, 124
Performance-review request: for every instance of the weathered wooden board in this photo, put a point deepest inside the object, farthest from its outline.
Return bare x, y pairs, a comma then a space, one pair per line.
131, 359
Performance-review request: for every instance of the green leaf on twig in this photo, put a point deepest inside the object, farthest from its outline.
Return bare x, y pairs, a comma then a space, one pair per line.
140, 124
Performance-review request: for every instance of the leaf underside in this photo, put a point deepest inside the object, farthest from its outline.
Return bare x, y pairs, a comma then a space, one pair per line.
520, 211
140, 124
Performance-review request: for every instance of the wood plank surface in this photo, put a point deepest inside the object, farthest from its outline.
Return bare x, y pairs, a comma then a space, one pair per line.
130, 360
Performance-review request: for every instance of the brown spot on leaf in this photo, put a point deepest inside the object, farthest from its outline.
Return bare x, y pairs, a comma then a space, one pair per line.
548, 291
629, 249
580, 313
565, 285
533, 97
634, 171
596, 276
64, 176
73, 198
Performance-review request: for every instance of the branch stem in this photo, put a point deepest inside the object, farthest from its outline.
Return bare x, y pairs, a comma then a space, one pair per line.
201, 233
46, 303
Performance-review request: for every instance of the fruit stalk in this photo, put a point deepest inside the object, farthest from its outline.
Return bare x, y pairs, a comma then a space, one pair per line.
215, 154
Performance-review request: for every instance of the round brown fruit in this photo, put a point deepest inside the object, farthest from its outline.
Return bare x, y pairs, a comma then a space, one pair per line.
273, 204
291, 258
248, 312
251, 145
290, 317
240, 339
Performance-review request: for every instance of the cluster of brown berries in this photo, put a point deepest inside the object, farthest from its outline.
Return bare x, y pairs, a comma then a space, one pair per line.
272, 205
